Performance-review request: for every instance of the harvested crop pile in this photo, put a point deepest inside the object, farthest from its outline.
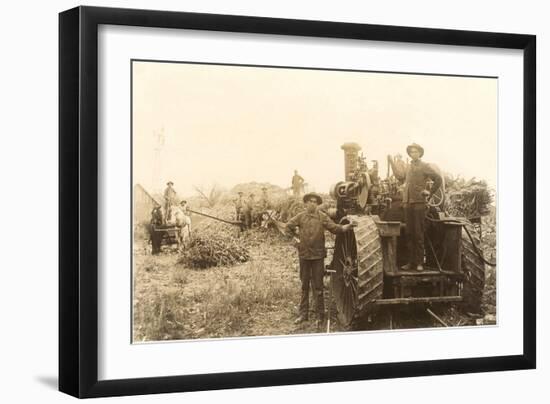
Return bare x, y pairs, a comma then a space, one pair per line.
214, 243
212, 250
468, 199
223, 211
489, 245
290, 206
274, 191
489, 235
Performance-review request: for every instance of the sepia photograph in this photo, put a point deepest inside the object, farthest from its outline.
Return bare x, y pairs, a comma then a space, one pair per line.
283, 201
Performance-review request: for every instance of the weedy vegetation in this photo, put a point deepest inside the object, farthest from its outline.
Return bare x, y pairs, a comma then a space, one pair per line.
228, 283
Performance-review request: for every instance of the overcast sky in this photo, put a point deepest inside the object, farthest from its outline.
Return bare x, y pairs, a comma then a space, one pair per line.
232, 124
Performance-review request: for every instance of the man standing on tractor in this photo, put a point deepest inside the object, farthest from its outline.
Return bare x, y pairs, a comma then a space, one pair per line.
297, 184
311, 251
415, 197
169, 199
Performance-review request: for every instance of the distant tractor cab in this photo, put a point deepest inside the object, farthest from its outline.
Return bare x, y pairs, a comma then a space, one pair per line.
367, 261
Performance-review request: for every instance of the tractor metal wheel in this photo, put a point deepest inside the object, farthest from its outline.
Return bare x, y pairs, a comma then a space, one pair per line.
359, 277
474, 272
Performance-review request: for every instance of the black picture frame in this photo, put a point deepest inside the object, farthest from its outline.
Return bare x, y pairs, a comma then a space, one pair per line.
78, 200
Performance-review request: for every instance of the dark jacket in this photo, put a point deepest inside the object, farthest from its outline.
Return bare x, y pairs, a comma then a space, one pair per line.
417, 174
312, 233
297, 181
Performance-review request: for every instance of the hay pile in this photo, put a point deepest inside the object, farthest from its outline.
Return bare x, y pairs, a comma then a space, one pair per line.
275, 192
470, 199
289, 207
213, 250
223, 211
214, 243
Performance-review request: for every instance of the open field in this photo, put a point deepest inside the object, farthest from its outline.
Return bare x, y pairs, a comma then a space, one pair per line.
256, 298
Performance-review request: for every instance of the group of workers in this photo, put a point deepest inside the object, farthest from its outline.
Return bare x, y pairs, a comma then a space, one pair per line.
171, 202
249, 211
312, 224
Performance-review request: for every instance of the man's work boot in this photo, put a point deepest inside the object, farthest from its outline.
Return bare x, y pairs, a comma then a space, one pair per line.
419, 267
301, 319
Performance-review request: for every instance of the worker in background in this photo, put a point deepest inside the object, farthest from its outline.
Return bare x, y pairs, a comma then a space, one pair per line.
297, 184
239, 207
415, 197
249, 211
184, 206
265, 212
264, 200
311, 224
170, 197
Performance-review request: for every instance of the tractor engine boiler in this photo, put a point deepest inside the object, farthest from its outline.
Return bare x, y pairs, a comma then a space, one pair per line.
352, 194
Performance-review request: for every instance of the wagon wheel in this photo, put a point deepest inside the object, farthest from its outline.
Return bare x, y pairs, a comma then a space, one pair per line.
357, 260
437, 198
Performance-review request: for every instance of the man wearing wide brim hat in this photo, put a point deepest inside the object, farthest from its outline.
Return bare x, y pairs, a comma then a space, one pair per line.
311, 251
412, 147
415, 196
170, 198
313, 195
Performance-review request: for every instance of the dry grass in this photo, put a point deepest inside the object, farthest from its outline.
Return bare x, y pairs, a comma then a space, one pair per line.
213, 250
230, 305
259, 297
175, 302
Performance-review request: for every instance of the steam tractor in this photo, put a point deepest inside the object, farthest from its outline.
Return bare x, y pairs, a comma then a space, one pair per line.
367, 262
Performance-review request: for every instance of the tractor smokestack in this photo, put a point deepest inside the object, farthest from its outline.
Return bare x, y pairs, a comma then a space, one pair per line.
351, 156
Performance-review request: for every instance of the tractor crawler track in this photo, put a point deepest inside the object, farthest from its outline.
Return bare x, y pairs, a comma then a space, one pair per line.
364, 249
